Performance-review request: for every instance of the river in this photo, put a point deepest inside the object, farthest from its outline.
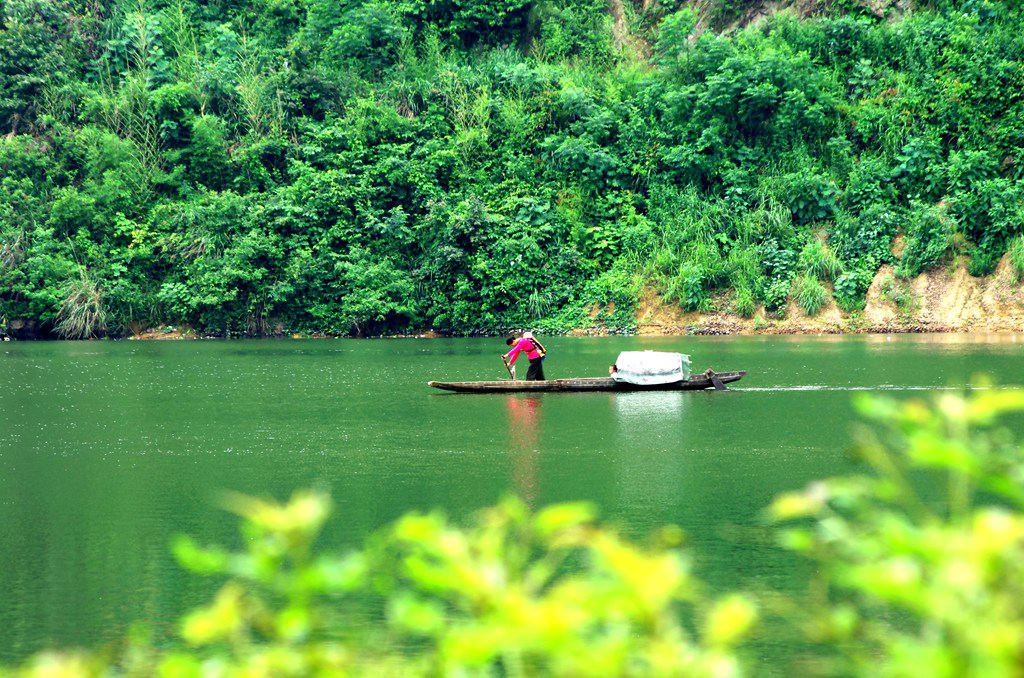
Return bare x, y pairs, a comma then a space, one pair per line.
109, 449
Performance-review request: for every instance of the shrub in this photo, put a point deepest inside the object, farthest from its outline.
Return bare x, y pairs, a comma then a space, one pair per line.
918, 583
480, 18
369, 36
515, 592
990, 212
811, 197
810, 294
673, 35
570, 30
207, 155
869, 185
72, 211
865, 239
931, 237
774, 294
851, 288
376, 293
919, 170
477, 145
969, 167
777, 262
614, 293
689, 286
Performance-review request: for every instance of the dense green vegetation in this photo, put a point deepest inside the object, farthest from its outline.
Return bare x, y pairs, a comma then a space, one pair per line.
906, 583
360, 166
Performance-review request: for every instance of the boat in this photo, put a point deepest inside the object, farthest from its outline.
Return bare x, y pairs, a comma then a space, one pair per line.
694, 382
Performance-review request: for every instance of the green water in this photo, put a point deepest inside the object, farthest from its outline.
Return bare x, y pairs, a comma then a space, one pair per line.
108, 449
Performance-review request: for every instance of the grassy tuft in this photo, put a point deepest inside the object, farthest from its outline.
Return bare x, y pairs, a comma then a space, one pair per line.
81, 314
819, 261
744, 305
538, 305
983, 261
1017, 257
810, 294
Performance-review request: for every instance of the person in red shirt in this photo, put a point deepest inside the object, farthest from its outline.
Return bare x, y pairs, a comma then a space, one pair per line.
534, 352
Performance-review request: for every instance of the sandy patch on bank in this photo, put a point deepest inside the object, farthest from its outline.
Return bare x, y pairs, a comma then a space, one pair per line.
164, 334
944, 300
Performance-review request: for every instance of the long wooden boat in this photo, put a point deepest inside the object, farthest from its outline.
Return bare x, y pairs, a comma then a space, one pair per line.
696, 382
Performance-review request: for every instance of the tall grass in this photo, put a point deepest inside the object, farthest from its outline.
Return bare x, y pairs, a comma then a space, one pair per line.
538, 305
12, 250
81, 314
1017, 257
743, 266
820, 262
125, 104
262, 108
745, 304
809, 293
983, 261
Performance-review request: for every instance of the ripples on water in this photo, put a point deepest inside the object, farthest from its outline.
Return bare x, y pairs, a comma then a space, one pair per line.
880, 387
107, 450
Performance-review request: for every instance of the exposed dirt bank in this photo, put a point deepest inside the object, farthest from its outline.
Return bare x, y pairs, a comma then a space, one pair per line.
753, 11
165, 333
946, 300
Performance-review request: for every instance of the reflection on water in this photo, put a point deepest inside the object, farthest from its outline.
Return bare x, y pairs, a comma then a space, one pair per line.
947, 339
109, 449
642, 407
652, 473
931, 338
524, 442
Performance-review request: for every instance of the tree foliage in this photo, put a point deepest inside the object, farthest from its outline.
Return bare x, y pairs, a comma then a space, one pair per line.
386, 165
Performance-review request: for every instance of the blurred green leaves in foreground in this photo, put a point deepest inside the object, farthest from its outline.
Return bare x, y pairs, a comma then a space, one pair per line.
921, 558
918, 571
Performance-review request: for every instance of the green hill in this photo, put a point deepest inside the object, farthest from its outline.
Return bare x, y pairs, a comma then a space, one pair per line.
259, 166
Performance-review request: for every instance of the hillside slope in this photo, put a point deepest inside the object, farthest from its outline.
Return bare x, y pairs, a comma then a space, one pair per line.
468, 166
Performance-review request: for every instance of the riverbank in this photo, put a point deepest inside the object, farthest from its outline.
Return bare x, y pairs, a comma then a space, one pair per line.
948, 300
944, 300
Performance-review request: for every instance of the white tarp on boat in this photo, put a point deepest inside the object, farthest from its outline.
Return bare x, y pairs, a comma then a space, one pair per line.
651, 367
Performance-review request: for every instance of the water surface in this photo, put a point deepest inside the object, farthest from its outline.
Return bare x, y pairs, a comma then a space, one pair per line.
108, 449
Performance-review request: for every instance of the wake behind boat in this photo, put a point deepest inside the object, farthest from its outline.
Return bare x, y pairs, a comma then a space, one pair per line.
632, 371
